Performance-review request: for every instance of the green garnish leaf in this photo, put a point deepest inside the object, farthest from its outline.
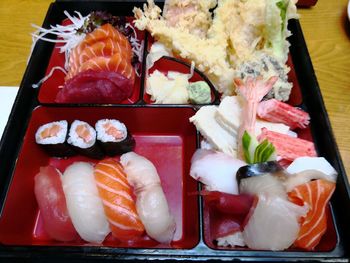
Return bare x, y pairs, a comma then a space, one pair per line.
257, 153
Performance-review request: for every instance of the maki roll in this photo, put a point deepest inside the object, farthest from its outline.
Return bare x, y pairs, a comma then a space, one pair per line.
52, 138
114, 137
82, 138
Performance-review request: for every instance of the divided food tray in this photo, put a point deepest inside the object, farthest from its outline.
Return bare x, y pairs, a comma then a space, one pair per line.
165, 136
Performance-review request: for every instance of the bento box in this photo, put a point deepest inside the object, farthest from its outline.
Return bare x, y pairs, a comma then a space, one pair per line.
164, 135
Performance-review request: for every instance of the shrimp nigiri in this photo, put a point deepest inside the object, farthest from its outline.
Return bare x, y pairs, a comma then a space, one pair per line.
151, 202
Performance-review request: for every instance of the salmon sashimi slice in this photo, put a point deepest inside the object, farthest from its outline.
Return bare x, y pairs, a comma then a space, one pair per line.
116, 195
105, 48
103, 32
316, 195
51, 131
276, 111
116, 63
287, 147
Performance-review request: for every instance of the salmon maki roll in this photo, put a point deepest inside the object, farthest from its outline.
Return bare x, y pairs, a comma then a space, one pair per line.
316, 195
52, 138
116, 195
114, 137
82, 137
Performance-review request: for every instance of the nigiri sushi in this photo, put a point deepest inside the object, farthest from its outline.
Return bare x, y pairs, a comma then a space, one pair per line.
84, 204
151, 202
52, 204
118, 204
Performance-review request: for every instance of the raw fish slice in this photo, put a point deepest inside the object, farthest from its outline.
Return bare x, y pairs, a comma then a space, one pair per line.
105, 48
118, 204
103, 32
276, 111
84, 204
316, 195
216, 170
52, 203
151, 203
274, 224
115, 63
287, 147
96, 87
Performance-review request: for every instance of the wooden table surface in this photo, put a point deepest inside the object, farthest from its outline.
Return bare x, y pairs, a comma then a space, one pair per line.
326, 29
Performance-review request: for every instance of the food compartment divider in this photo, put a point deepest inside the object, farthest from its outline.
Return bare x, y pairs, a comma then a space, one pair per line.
26, 101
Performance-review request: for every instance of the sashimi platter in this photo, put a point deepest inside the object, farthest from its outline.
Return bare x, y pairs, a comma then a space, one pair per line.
176, 130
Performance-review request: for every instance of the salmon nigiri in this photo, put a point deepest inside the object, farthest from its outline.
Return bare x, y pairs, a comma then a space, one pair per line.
119, 206
316, 194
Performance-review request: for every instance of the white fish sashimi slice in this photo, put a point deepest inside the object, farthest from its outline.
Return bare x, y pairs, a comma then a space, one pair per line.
313, 163
151, 203
274, 224
83, 202
216, 170
263, 184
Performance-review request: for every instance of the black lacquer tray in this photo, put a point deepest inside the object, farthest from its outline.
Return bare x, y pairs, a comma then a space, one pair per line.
27, 109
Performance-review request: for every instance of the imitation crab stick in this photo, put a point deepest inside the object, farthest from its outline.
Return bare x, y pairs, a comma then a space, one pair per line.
276, 111
287, 147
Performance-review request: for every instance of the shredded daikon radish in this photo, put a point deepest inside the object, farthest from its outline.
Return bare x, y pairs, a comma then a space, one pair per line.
67, 35
48, 76
137, 46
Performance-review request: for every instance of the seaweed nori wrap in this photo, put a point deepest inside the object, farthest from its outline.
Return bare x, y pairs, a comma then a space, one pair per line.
114, 137
82, 138
52, 138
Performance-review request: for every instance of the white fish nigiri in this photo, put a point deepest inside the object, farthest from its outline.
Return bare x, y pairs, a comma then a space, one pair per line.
274, 224
151, 203
216, 170
83, 202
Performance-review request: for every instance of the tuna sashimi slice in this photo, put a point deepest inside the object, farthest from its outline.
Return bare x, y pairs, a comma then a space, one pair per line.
287, 147
316, 195
96, 87
116, 195
52, 203
279, 112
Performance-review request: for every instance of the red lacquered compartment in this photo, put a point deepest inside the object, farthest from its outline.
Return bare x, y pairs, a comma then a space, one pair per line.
50, 88
214, 220
163, 135
166, 64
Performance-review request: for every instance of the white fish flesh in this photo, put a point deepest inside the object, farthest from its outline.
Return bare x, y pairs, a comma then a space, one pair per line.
274, 224
216, 170
151, 203
83, 202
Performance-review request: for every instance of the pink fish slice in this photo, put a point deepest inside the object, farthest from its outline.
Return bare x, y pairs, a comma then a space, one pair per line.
276, 111
287, 147
253, 90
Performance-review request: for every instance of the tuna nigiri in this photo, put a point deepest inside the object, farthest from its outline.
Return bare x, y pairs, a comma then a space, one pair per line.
83, 202
52, 203
316, 195
118, 204
151, 202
